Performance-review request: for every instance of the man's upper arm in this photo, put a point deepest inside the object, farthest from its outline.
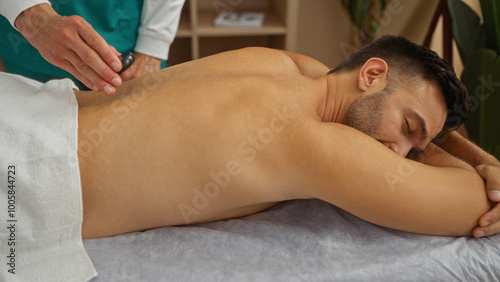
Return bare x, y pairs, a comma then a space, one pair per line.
355, 172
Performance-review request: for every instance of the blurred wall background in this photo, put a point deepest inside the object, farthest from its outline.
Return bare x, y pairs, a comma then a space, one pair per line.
324, 28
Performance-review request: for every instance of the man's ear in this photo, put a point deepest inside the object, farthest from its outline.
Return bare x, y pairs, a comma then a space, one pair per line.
373, 72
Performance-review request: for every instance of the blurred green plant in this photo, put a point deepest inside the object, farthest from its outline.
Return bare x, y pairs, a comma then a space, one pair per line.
478, 43
361, 15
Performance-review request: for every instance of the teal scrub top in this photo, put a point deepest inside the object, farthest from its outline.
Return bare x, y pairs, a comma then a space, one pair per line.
117, 21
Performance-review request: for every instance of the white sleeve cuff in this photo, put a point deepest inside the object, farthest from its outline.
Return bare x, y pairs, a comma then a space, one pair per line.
159, 24
152, 46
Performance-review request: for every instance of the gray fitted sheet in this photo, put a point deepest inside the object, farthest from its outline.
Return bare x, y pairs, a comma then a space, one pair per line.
301, 240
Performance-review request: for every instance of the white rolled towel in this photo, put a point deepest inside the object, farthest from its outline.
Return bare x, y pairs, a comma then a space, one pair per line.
40, 190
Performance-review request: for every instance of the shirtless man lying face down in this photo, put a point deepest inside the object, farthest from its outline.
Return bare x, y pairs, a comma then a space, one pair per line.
235, 133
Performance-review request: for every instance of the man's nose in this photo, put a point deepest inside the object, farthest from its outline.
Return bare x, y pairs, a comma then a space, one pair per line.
400, 149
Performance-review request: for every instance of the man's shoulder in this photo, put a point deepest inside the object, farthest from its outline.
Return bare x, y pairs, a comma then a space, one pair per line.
259, 51
262, 57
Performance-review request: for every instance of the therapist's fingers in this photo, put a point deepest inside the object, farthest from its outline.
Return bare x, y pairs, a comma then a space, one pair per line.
85, 63
118, 54
142, 65
91, 79
103, 50
95, 57
68, 66
59, 38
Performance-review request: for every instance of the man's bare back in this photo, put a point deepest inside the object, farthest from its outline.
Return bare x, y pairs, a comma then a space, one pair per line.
233, 134
197, 142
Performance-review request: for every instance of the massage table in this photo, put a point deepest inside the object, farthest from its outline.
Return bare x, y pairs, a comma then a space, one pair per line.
300, 240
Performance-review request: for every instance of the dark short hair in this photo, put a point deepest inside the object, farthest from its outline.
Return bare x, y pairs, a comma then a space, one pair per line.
404, 56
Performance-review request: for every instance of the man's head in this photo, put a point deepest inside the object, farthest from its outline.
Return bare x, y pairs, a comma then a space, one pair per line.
420, 89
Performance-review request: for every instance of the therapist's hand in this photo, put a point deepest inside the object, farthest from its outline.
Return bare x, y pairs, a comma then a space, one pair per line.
73, 45
142, 65
489, 223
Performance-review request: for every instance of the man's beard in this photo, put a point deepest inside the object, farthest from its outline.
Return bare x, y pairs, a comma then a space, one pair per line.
365, 114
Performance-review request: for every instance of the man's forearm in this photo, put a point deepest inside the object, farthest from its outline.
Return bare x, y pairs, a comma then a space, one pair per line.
435, 156
488, 168
460, 147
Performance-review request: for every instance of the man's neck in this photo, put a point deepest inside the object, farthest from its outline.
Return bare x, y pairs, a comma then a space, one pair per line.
334, 102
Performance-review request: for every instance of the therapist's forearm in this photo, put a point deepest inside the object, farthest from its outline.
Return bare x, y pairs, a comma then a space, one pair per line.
30, 20
12, 9
459, 146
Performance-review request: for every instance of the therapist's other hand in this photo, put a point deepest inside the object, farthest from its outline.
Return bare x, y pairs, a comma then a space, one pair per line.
73, 45
489, 223
142, 65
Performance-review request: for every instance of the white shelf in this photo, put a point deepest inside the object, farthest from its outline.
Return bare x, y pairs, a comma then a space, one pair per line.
271, 26
196, 24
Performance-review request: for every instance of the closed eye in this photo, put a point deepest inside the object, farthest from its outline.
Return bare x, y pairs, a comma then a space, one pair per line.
413, 154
